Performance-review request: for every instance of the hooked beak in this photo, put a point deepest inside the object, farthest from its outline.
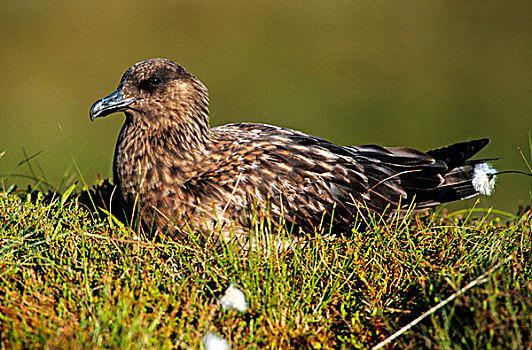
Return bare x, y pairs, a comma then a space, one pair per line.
114, 102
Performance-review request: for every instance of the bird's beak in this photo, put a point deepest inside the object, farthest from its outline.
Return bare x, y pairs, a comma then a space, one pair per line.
114, 102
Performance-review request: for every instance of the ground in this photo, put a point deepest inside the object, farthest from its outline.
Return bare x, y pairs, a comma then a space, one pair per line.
73, 276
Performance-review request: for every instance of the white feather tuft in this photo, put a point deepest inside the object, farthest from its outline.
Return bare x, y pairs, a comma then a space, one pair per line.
213, 341
484, 178
234, 299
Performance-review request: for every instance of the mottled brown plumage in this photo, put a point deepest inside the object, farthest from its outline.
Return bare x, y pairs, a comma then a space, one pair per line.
185, 175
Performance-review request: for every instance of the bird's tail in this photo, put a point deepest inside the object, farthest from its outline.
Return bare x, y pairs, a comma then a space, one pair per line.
459, 180
427, 178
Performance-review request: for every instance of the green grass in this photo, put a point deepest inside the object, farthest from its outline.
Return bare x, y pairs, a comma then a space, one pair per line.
71, 277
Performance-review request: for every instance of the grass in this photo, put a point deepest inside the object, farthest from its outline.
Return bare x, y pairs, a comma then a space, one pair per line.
70, 277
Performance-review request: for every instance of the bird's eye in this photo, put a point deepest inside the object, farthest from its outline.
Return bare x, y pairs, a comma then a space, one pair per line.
153, 81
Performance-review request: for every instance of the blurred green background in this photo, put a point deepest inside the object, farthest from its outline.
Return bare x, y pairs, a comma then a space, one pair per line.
411, 73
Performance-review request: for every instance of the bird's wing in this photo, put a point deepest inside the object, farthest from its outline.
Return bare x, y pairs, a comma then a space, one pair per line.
303, 174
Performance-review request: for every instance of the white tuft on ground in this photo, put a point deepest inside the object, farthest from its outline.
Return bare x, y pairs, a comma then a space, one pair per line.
233, 299
484, 178
213, 341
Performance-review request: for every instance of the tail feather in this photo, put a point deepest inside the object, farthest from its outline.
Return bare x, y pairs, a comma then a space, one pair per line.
457, 186
457, 154
457, 182
429, 178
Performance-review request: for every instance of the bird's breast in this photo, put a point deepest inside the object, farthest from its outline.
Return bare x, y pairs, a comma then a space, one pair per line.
145, 169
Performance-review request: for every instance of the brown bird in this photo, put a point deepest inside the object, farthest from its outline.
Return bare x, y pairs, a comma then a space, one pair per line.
185, 176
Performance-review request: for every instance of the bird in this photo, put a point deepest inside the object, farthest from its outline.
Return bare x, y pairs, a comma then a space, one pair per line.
185, 176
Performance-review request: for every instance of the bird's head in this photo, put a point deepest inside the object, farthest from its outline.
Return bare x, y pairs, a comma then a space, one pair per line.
156, 91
